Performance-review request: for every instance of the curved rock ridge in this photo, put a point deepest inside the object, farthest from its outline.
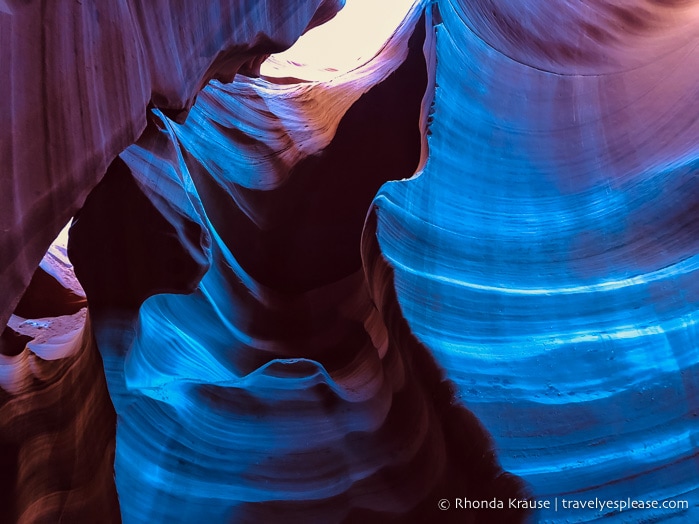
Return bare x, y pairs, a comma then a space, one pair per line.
57, 427
547, 251
283, 388
57, 422
118, 58
78, 79
534, 257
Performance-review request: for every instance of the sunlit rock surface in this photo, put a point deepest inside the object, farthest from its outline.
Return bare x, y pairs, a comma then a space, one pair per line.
547, 252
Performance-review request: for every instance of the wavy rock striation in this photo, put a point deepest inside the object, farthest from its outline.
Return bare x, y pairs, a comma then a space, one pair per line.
117, 58
56, 428
276, 354
57, 423
282, 389
547, 252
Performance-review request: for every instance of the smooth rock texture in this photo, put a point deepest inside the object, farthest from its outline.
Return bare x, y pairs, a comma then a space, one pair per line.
78, 77
547, 252
297, 284
56, 427
278, 391
57, 422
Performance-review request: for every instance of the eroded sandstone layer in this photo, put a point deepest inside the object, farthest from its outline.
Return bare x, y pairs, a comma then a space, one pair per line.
547, 253
282, 388
78, 77
295, 286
